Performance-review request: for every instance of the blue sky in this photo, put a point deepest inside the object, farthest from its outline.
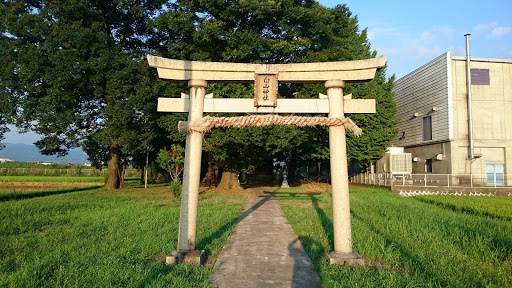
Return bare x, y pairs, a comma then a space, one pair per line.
411, 33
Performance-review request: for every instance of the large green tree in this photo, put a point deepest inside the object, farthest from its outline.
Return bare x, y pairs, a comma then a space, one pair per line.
74, 72
284, 31
379, 128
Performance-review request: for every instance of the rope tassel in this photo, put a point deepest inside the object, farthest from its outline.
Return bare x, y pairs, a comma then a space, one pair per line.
207, 123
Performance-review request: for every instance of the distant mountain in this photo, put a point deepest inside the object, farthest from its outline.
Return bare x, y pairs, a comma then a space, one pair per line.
30, 153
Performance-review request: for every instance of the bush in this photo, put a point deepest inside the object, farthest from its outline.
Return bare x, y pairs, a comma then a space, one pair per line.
175, 188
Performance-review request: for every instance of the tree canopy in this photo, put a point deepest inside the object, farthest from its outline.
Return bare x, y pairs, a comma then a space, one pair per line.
278, 32
75, 72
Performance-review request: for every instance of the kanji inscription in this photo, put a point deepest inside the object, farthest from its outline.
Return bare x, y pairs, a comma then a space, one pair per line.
265, 90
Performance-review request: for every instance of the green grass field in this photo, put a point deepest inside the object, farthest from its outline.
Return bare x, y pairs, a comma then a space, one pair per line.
56, 179
405, 241
96, 238
24, 187
41, 192
494, 207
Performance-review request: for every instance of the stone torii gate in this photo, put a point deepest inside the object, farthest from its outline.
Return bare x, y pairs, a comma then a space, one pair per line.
265, 78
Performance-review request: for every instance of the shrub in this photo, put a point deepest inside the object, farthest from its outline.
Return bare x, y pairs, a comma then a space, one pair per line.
175, 188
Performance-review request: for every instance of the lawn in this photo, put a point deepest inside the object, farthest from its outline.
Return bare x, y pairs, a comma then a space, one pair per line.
56, 179
494, 207
97, 238
24, 187
406, 242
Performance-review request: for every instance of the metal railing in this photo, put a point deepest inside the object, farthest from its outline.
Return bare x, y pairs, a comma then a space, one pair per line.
495, 180
88, 172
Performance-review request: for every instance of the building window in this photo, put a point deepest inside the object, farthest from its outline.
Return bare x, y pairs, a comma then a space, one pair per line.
427, 128
428, 166
480, 77
495, 174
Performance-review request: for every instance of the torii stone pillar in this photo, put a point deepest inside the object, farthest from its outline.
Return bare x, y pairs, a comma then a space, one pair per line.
191, 180
339, 181
333, 74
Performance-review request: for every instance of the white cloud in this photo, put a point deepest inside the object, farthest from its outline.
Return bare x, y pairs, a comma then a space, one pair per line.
384, 30
430, 43
492, 30
458, 50
482, 28
499, 32
424, 52
406, 48
437, 34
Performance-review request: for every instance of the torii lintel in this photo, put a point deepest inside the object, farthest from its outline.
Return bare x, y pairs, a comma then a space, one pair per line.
180, 70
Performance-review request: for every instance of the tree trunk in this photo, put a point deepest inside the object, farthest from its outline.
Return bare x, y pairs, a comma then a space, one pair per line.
243, 178
292, 168
229, 180
318, 172
123, 172
113, 178
210, 179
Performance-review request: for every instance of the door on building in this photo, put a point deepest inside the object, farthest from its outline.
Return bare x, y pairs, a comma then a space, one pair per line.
495, 174
428, 166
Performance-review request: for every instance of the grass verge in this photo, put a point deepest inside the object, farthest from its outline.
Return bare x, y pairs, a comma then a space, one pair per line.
56, 179
405, 242
493, 207
98, 238
19, 195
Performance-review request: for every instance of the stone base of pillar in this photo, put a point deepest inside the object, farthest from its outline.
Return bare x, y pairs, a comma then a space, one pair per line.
350, 259
196, 257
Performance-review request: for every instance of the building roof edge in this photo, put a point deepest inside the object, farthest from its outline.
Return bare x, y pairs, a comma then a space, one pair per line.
478, 59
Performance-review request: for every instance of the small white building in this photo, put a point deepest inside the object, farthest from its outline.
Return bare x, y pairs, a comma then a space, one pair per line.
5, 160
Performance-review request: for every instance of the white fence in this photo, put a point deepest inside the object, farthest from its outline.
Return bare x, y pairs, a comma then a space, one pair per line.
495, 180
88, 172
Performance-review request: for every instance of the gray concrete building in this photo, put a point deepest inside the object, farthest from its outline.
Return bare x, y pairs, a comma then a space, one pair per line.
443, 133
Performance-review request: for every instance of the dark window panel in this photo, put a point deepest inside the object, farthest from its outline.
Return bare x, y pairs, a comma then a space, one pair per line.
480, 77
427, 128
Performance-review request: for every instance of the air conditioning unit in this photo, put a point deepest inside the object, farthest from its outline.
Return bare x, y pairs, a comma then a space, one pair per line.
395, 161
400, 163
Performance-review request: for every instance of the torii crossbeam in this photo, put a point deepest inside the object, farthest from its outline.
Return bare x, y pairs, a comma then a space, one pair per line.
266, 78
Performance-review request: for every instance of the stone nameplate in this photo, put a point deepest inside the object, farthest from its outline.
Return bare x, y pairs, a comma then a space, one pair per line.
265, 89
